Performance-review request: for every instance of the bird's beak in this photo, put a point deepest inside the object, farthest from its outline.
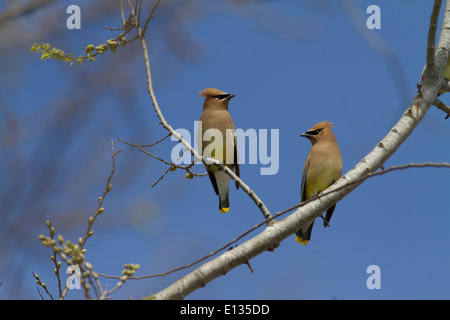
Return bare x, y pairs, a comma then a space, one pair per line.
230, 96
305, 135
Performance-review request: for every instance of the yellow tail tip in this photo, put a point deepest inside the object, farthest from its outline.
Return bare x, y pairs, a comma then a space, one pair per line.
222, 210
301, 240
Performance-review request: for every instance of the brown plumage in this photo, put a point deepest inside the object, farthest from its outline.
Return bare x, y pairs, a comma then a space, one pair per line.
323, 166
216, 121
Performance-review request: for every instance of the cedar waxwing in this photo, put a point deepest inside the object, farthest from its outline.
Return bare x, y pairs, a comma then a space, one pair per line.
323, 166
215, 116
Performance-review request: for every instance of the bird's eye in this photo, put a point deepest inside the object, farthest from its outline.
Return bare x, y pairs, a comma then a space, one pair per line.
314, 132
221, 96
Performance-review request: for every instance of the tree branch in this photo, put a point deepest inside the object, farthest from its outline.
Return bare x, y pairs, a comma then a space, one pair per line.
281, 213
432, 33
433, 74
442, 106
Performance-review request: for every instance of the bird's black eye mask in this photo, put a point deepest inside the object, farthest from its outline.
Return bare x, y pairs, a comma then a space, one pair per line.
222, 96
314, 132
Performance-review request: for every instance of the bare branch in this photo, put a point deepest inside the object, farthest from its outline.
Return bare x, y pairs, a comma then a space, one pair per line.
442, 106
43, 285
100, 209
171, 164
433, 74
281, 213
432, 33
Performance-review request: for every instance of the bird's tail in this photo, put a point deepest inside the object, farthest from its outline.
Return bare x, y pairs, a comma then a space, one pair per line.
303, 237
224, 204
223, 181
328, 216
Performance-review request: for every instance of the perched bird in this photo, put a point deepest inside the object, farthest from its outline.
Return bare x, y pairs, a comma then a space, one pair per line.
323, 166
217, 139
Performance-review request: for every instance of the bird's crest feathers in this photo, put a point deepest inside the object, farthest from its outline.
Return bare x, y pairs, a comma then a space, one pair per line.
321, 125
210, 92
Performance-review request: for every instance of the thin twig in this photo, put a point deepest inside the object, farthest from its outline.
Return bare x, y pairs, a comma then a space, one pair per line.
169, 169
121, 13
154, 143
53, 257
432, 33
141, 148
102, 198
43, 285
150, 17
171, 164
442, 106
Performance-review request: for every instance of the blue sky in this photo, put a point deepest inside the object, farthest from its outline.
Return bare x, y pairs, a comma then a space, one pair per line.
288, 75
